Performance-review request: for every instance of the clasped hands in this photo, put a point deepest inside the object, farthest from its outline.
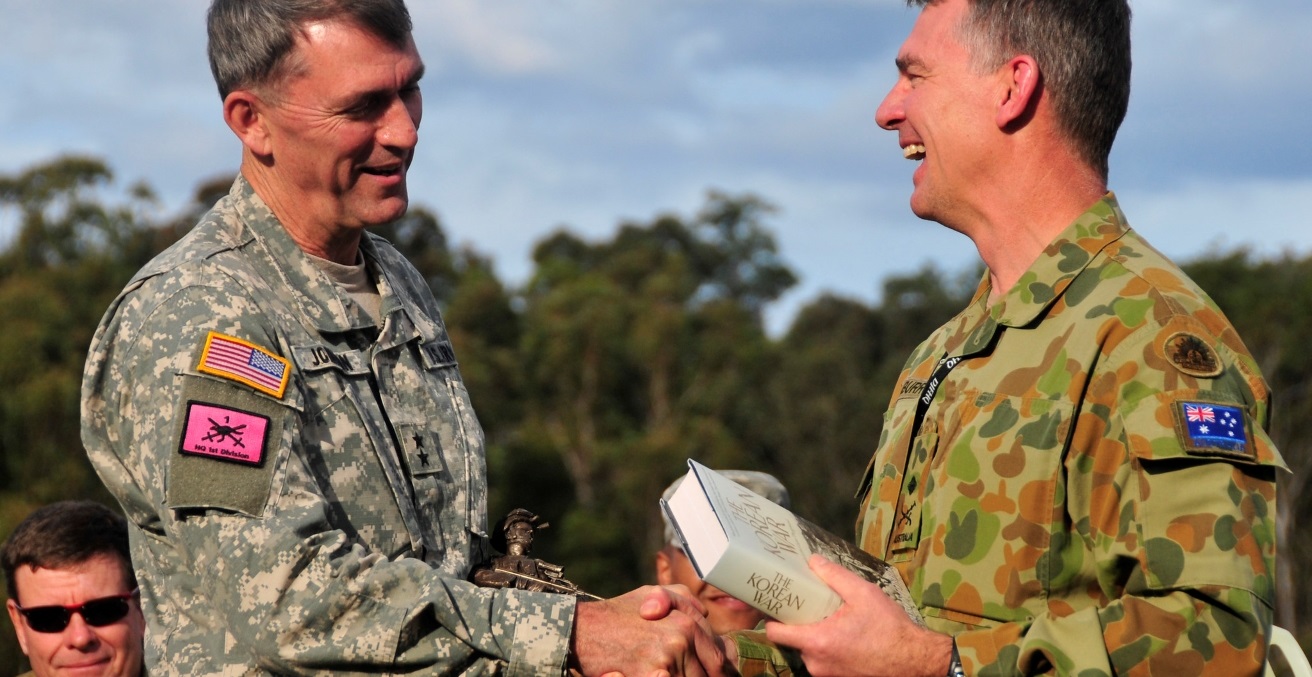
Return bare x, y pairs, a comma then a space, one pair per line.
868, 636
653, 631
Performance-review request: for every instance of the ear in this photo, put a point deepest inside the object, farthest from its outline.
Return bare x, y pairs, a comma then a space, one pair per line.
19, 628
1020, 81
245, 113
664, 574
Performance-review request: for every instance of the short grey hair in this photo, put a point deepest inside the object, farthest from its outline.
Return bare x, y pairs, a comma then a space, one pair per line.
1083, 51
251, 41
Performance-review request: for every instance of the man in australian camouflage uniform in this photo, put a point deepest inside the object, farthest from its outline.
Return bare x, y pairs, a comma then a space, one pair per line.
1073, 476
275, 402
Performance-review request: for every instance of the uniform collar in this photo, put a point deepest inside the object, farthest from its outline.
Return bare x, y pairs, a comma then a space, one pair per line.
321, 301
1047, 278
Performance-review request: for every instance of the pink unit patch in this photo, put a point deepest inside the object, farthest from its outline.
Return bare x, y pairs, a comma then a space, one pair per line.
225, 434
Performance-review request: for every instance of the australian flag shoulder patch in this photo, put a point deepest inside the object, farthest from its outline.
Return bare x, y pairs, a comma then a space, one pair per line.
1210, 428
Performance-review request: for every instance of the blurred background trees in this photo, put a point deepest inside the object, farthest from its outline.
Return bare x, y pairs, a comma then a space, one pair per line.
613, 363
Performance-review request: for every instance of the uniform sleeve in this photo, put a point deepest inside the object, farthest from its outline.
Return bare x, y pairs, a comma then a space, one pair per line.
1171, 486
243, 553
758, 657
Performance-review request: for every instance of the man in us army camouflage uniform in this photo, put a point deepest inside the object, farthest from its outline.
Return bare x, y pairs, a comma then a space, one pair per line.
1073, 476
275, 403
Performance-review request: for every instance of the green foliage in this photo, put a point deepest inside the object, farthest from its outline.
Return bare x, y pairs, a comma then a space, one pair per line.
615, 361
641, 351
743, 263
71, 254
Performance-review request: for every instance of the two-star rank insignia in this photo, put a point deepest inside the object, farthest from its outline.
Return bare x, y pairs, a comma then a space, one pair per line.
422, 449
420, 452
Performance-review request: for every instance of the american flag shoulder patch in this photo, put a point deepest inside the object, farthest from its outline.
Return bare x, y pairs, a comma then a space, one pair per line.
1212, 427
242, 361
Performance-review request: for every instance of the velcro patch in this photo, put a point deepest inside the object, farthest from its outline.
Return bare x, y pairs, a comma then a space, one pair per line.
1208, 427
232, 358
218, 473
224, 433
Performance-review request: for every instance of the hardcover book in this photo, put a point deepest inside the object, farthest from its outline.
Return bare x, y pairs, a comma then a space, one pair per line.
756, 550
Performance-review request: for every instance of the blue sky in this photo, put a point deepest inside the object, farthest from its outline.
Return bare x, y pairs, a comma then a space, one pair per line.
583, 113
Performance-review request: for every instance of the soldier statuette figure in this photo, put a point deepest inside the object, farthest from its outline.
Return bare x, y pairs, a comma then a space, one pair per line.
515, 569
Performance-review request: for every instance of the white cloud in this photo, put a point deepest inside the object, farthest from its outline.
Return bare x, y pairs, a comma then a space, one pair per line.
494, 37
1267, 217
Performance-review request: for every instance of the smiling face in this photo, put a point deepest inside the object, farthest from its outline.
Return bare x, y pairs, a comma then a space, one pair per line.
80, 650
942, 110
337, 134
723, 612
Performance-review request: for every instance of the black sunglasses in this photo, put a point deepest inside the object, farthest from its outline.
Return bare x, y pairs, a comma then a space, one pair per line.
96, 612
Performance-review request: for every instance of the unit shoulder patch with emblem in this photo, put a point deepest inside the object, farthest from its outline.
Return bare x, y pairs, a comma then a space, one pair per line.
224, 433
229, 439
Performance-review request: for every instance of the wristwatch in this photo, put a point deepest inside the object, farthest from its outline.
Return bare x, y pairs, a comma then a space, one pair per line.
954, 667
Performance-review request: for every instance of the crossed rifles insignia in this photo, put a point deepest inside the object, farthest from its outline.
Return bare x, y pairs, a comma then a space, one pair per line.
906, 515
222, 431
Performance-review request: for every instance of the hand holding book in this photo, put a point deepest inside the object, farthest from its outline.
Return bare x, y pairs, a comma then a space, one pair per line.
757, 551
868, 635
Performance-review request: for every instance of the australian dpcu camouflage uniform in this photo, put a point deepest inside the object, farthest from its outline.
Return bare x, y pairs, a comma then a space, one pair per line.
1091, 491
307, 491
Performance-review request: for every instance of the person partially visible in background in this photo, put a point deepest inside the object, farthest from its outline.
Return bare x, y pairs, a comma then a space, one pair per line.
724, 612
72, 592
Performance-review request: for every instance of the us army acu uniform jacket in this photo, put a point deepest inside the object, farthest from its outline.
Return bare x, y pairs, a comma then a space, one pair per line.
307, 491
1091, 491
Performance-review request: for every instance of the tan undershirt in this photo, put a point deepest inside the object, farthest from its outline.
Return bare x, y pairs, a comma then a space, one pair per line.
356, 282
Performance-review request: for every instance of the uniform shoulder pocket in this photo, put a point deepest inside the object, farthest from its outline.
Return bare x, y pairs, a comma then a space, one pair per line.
1203, 493
230, 440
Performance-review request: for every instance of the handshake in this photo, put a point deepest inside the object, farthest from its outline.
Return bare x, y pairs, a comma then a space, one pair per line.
654, 631
680, 628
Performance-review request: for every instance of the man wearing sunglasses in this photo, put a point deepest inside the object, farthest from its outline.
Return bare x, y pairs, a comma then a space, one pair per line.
72, 592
